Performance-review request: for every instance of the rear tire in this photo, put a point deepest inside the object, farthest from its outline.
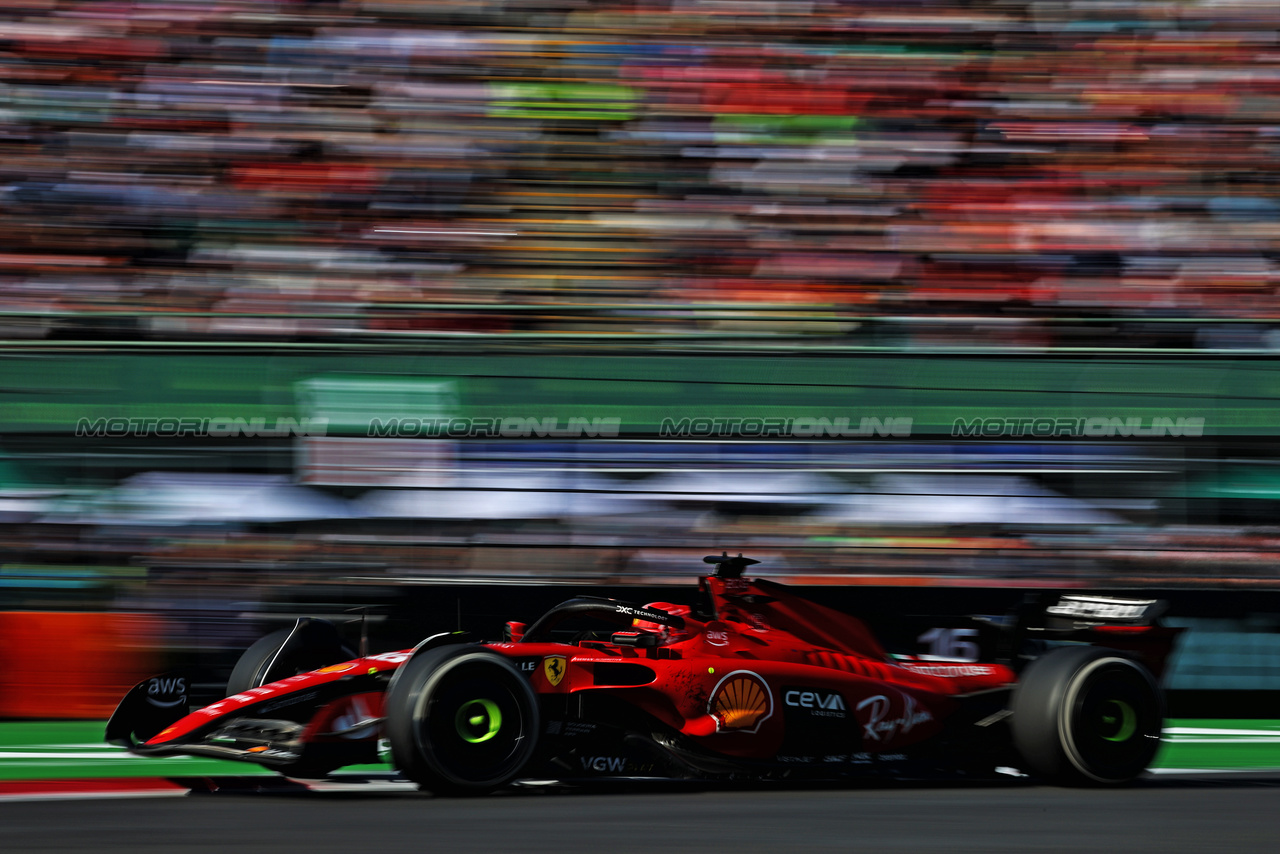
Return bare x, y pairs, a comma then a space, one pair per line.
1087, 716
461, 721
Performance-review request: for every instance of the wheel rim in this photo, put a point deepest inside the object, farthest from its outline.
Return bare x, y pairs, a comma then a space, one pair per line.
1112, 722
473, 724
478, 721
1120, 717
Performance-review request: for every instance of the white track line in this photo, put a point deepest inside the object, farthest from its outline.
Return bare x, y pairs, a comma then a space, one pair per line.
66, 754
1195, 730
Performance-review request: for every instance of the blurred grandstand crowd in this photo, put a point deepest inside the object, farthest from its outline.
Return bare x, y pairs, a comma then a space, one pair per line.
919, 172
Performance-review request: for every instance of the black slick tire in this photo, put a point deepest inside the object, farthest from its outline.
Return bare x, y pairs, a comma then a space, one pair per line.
461, 720
1087, 716
308, 645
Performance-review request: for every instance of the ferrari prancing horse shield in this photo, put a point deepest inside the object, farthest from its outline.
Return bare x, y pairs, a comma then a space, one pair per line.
553, 667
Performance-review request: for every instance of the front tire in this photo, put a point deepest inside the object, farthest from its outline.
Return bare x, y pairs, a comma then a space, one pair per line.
310, 644
1087, 716
461, 721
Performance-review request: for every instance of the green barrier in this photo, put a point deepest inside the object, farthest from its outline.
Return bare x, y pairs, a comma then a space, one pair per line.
737, 396
1220, 744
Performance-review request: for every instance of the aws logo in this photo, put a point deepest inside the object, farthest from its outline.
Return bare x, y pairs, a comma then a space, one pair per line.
717, 634
740, 702
165, 692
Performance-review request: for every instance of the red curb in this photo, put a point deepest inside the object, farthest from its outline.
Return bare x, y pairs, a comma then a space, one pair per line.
134, 785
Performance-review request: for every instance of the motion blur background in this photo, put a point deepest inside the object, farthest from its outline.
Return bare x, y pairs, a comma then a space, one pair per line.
312, 305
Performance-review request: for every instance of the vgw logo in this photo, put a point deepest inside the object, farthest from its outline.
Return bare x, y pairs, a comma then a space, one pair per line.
818, 702
165, 692
615, 764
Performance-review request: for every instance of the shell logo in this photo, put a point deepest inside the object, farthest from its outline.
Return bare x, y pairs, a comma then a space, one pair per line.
338, 668
740, 702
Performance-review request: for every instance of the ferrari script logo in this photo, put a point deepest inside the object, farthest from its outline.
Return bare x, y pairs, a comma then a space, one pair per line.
553, 668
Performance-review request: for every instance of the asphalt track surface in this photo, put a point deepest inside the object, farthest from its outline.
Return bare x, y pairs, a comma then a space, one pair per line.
1193, 813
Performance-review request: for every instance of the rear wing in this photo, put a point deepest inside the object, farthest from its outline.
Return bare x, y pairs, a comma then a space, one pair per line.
1127, 625
1099, 610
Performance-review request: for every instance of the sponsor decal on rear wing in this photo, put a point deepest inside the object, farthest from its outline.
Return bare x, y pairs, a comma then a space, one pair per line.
1108, 609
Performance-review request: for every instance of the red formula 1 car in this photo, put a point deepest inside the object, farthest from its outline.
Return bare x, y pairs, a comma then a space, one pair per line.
758, 683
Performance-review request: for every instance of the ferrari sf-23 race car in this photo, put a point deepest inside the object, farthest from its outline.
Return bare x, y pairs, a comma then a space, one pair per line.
753, 683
